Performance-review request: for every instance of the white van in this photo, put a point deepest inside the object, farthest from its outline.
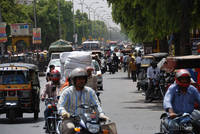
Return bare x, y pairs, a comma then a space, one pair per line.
91, 45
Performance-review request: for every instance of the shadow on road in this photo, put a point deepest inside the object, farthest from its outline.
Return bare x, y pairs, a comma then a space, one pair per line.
21, 121
156, 105
119, 78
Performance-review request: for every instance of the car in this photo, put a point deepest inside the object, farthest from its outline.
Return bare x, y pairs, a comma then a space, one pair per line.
98, 73
56, 63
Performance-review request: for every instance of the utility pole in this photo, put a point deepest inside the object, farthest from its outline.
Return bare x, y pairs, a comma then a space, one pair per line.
82, 1
59, 19
74, 28
35, 21
1, 44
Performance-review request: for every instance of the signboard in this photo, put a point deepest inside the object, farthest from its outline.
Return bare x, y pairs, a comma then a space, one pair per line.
37, 36
3, 37
148, 50
21, 29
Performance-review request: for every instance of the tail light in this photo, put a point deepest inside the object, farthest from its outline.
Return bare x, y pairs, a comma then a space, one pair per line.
49, 106
11, 93
1, 94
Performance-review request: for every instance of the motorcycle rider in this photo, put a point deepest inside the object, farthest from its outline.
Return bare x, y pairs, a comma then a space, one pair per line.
180, 98
153, 73
92, 79
51, 67
74, 96
50, 92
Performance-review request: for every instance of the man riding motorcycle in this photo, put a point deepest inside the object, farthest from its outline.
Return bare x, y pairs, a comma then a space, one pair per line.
153, 73
50, 90
92, 79
180, 98
74, 96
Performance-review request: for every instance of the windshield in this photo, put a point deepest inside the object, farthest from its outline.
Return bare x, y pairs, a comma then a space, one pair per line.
146, 61
55, 56
91, 46
55, 63
13, 77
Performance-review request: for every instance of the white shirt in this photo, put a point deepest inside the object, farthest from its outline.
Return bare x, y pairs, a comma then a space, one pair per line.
138, 60
70, 99
153, 73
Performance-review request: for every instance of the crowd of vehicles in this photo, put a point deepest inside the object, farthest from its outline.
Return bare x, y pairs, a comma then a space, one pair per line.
20, 87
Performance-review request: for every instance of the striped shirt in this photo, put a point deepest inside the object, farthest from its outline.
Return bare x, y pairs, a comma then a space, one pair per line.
70, 99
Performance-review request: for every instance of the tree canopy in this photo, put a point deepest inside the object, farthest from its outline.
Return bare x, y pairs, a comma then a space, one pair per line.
146, 20
47, 20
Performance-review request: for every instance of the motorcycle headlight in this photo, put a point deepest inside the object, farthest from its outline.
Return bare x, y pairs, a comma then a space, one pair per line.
188, 128
93, 128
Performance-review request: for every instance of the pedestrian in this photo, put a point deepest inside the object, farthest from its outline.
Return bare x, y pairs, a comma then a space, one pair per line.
138, 63
128, 61
132, 68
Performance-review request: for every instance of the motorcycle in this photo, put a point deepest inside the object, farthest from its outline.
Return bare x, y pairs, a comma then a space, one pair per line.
182, 124
87, 122
52, 116
155, 92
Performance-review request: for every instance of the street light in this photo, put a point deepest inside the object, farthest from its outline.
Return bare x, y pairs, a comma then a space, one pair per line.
89, 7
81, 2
94, 11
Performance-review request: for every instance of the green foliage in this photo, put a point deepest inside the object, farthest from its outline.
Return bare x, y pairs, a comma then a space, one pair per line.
48, 20
145, 20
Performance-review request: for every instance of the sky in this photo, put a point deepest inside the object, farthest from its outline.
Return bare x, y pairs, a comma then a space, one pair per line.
101, 9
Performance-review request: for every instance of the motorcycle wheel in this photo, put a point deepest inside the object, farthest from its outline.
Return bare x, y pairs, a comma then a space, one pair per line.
36, 115
161, 130
11, 115
51, 126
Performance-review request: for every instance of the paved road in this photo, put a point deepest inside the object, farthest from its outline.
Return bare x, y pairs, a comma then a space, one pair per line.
121, 102
125, 105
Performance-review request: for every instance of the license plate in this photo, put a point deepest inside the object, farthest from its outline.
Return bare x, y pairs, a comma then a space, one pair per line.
11, 98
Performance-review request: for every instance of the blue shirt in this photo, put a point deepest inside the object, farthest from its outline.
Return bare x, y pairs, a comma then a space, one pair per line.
179, 102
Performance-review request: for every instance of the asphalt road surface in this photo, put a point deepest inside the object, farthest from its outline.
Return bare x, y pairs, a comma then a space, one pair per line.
120, 101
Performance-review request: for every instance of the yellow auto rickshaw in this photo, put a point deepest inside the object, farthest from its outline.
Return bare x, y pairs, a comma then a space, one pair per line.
19, 90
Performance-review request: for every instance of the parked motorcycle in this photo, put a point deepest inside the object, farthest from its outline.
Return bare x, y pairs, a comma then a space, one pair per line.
182, 124
52, 116
86, 122
155, 92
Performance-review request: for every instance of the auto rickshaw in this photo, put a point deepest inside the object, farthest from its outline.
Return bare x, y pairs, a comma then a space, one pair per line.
19, 90
145, 63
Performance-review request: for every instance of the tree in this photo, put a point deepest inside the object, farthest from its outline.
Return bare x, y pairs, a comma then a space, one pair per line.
145, 20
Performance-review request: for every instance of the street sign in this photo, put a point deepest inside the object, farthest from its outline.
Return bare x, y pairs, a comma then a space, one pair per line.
37, 36
21, 29
3, 36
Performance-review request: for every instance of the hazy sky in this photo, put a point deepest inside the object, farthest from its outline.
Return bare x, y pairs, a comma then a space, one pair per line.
101, 7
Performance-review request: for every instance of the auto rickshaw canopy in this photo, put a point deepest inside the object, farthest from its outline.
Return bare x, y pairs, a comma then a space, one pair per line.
18, 66
179, 62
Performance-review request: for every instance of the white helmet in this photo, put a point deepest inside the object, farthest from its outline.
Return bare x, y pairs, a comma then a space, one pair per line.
78, 72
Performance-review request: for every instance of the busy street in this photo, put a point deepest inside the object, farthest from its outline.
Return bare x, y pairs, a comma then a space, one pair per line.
120, 101
99, 67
